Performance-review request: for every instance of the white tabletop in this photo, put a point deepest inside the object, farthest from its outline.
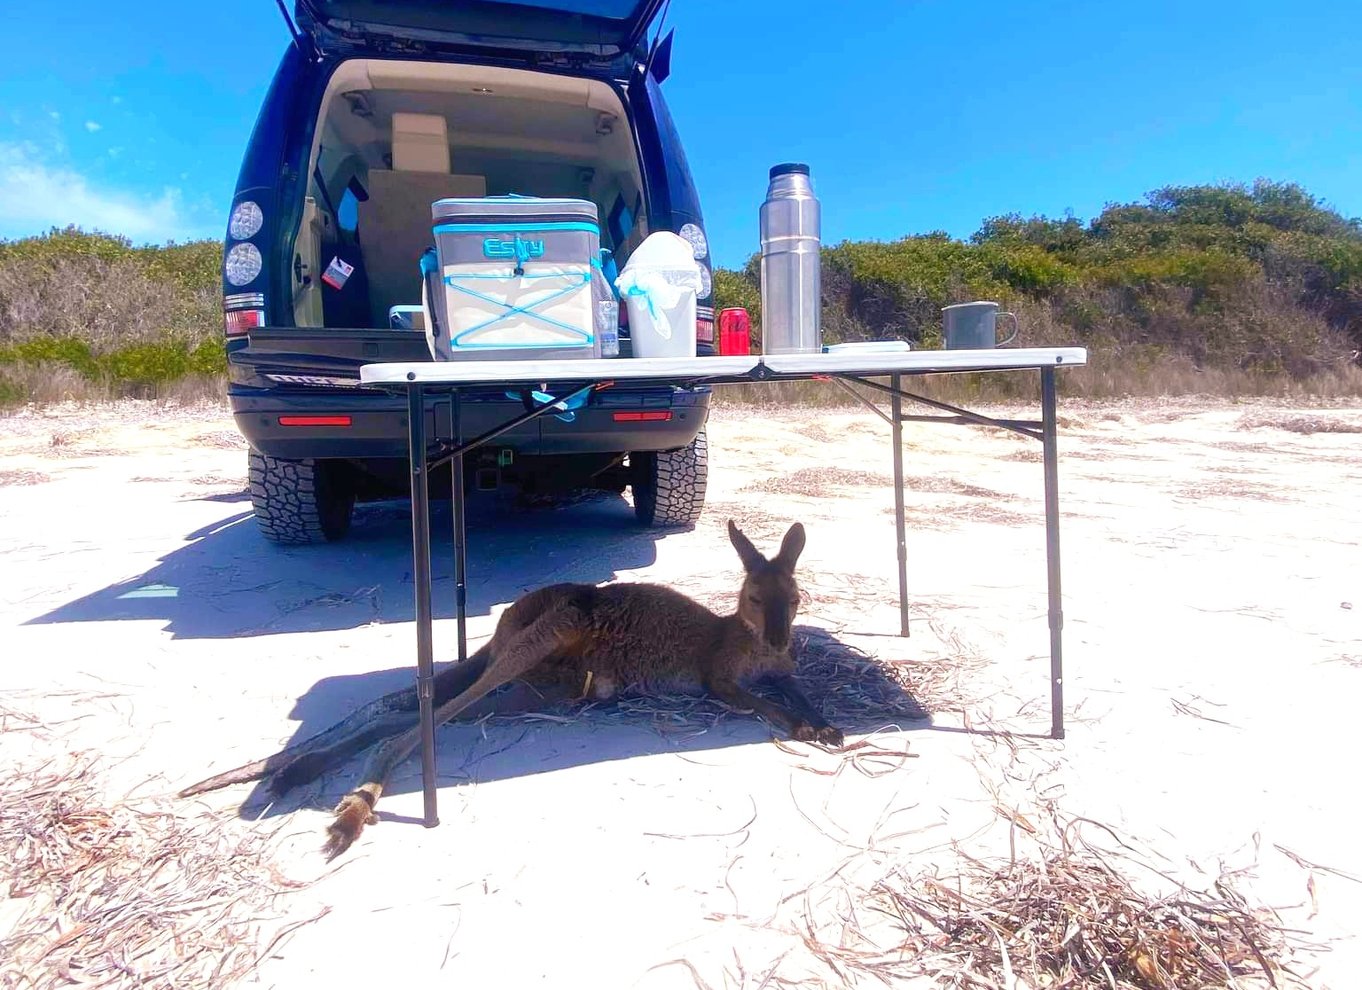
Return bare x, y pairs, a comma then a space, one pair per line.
633, 369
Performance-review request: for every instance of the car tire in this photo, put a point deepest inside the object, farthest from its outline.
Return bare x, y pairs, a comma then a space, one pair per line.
669, 485
298, 501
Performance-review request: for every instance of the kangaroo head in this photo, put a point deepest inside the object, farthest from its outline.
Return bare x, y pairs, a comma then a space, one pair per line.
770, 596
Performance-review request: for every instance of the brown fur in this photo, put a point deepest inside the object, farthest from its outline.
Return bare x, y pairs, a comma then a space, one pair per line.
592, 641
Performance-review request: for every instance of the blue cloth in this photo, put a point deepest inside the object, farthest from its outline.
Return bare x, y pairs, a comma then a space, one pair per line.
610, 270
567, 415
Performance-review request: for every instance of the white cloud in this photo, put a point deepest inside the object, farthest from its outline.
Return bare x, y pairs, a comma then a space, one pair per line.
54, 115
36, 196
92, 126
116, 100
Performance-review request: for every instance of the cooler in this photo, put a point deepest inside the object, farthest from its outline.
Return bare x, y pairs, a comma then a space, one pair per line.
517, 276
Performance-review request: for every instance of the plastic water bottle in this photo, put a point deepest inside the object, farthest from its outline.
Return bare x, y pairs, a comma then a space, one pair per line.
790, 280
607, 307
608, 322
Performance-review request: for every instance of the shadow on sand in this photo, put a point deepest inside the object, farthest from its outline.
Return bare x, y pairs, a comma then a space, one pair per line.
227, 582
516, 743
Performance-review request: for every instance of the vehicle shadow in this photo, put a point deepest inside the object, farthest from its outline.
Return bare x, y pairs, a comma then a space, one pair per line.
228, 582
518, 740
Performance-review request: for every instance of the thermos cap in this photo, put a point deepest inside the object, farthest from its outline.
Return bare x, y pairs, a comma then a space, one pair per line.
789, 168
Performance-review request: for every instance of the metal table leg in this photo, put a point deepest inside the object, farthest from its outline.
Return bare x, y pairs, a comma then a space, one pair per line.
896, 430
420, 566
1047, 403
460, 534
421, 465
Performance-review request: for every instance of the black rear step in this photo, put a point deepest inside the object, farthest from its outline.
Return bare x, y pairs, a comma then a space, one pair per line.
368, 346
289, 356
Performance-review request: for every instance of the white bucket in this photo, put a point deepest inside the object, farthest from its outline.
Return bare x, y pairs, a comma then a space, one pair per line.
659, 286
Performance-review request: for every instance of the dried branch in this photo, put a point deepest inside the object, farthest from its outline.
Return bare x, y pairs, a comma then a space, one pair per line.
113, 895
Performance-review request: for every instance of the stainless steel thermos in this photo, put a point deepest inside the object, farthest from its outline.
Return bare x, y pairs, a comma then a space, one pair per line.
790, 242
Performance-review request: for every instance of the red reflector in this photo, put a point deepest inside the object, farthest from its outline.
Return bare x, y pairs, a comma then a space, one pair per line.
660, 416
239, 321
704, 331
314, 420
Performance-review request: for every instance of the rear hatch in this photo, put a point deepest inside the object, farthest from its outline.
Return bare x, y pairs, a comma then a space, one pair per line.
590, 29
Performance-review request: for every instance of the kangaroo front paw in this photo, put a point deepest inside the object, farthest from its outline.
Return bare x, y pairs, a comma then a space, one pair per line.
354, 812
825, 734
828, 735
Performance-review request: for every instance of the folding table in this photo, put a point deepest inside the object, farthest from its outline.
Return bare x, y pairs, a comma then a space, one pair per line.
570, 381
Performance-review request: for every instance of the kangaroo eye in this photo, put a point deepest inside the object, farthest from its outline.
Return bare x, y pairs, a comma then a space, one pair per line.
754, 599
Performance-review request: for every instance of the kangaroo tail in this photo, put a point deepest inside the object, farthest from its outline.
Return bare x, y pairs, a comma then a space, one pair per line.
376, 720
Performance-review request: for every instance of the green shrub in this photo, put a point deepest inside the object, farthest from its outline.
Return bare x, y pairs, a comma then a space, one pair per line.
144, 366
1029, 269
209, 357
734, 289
57, 350
12, 394
1257, 283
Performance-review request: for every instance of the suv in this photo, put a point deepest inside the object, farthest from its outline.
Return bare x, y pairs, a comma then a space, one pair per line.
376, 111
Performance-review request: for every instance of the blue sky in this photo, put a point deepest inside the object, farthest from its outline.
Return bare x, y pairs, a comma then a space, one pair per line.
914, 116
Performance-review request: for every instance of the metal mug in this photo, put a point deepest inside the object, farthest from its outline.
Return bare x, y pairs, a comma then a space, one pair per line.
974, 325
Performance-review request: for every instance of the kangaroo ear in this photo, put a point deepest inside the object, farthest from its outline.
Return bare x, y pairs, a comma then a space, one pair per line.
750, 555
791, 547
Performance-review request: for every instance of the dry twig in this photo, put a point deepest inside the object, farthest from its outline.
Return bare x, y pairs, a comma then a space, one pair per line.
1070, 916
117, 895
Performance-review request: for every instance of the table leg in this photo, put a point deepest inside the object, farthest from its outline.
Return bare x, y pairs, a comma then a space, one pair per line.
460, 535
1048, 415
896, 430
420, 566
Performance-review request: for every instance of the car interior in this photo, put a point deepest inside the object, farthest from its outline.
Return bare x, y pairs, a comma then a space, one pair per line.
395, 136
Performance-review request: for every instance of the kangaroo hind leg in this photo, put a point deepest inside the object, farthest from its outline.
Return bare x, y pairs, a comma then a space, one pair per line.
514, 652
309, 765
303, 761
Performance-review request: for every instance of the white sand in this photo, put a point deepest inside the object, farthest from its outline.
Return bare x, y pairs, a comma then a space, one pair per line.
1213, 602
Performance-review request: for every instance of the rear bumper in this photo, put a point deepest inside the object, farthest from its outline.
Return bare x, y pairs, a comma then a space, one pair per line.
363, 425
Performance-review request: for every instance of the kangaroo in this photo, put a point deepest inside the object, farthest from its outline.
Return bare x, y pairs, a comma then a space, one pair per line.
595, 642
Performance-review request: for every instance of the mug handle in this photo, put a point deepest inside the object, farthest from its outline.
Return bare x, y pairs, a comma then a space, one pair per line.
1016, 327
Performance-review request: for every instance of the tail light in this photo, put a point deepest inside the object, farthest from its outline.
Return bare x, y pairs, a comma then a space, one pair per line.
652, 416
245, 221
240, 321
242, 264
704, 325
241, 311
699, 247
735, 329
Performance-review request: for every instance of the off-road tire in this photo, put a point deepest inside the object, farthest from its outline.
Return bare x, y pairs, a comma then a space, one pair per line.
298, 501
669, 485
